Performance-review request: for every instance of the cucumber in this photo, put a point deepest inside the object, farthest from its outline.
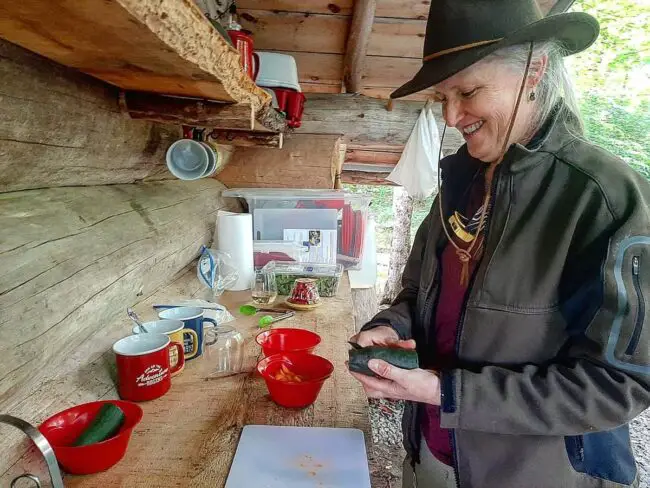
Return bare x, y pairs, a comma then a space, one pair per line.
401, 358
105, 425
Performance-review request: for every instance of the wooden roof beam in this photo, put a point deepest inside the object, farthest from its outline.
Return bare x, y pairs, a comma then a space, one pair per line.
363, 17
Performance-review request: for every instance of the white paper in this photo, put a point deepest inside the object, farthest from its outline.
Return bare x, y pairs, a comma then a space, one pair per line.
322, 243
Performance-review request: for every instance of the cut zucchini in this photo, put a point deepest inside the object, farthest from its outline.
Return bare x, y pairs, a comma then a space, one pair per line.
400, 358
105, 425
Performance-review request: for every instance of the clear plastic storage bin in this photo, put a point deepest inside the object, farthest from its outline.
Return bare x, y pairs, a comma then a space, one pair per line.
266, 251
277, 209
327, 276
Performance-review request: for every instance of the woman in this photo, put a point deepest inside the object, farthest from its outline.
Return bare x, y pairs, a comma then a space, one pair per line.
525, 291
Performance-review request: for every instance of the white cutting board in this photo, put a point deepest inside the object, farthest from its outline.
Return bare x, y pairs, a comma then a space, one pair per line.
299, 457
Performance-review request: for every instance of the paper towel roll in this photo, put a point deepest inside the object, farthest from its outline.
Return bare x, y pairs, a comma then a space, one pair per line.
234, 235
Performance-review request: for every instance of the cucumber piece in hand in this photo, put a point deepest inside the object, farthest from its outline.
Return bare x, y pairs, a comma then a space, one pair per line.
400, 358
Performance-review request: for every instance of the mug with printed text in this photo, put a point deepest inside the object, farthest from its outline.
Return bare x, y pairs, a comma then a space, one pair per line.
174, 329
143, 370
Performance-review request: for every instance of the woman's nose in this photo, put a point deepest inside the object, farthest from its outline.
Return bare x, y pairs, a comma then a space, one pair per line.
452, 112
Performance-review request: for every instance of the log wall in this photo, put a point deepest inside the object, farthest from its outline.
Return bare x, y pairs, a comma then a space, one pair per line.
59, 127
91, 224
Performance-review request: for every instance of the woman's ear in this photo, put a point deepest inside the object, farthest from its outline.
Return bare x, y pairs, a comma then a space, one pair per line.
536, 71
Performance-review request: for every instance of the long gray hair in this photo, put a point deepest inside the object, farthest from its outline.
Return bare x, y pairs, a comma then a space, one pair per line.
556, 83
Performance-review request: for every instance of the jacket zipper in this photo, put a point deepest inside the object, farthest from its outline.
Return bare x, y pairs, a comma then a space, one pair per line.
640, 314
461, 320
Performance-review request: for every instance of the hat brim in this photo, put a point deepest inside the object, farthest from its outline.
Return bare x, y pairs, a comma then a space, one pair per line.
576, 31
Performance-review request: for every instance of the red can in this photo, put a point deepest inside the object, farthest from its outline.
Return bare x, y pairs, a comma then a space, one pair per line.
243, 42
143, 366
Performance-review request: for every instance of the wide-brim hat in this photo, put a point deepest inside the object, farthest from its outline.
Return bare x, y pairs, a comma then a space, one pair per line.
461, 32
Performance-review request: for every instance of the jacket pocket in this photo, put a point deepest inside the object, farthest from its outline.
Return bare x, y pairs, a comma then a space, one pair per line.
605, 455
626, 347
640, 307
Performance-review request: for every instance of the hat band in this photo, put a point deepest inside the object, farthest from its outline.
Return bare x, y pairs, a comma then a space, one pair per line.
459, 48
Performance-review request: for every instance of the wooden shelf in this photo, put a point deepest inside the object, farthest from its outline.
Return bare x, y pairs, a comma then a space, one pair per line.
156, 46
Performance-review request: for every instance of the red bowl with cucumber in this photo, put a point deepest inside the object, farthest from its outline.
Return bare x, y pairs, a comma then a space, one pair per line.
92, 437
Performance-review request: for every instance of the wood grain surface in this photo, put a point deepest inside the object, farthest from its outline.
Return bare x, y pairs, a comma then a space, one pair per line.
189, 436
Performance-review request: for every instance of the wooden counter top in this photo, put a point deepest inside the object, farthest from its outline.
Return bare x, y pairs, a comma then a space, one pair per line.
189, 436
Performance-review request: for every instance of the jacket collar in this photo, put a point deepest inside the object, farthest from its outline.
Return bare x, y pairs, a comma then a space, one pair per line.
556, 133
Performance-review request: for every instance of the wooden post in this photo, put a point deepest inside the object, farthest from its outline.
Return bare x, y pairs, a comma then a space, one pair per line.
365, 178
362, 19
401, 243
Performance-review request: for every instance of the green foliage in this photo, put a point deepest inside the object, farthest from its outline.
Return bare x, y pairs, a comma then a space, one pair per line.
612, 80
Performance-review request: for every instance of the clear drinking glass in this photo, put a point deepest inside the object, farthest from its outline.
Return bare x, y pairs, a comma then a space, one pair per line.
227, 354
264, 290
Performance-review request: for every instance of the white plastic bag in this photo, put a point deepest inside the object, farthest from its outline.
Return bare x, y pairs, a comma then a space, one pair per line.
417, 169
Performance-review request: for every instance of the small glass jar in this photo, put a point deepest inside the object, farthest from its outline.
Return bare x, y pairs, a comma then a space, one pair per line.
264, 289
227, 353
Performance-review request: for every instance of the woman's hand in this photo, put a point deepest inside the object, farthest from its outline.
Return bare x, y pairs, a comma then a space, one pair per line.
381, 336
417, 385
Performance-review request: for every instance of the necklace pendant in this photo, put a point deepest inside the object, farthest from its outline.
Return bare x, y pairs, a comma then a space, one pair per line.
457, 226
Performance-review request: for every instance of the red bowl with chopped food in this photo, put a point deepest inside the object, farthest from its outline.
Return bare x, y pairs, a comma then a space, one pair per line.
279, 340
293, 379
64, 428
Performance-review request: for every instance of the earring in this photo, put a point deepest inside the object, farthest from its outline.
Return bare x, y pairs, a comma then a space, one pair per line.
532, 97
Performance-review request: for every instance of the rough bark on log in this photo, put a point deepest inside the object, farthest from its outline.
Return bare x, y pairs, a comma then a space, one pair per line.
59, 127
400, 244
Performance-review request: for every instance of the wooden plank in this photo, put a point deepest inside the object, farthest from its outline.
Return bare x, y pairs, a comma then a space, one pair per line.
357, 45
205, 442
365, 178
188, 111
361, 156
399, 9
303, 162
135, 44
340, 7
397, 37
363, 121
411, 9
404, 9
247, 139
289, 31
71, 259
59, 127
384, 94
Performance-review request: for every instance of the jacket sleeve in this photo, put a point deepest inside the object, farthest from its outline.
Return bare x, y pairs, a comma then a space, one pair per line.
399, 315
601, 378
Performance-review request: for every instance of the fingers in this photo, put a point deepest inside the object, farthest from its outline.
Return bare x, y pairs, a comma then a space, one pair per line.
386, 370
375, 387
410, 344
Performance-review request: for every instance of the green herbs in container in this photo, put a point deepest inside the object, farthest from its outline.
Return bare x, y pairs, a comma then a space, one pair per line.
327, 276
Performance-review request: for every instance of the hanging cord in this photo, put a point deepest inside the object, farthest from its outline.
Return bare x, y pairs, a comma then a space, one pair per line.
465, 255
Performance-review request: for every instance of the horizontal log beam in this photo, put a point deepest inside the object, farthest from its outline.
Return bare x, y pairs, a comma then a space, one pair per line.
360, 156
365, 178
203, 113
187, 111
364, 121
247, 139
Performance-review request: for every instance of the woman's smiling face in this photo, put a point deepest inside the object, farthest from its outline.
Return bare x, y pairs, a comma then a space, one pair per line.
479, 102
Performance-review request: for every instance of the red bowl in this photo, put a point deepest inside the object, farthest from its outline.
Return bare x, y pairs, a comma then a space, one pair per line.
314, 369
279, 340
62, 429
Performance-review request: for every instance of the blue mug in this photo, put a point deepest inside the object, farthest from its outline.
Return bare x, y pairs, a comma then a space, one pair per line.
192, 318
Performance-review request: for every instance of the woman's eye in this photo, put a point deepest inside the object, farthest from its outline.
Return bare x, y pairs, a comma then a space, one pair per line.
470, 93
